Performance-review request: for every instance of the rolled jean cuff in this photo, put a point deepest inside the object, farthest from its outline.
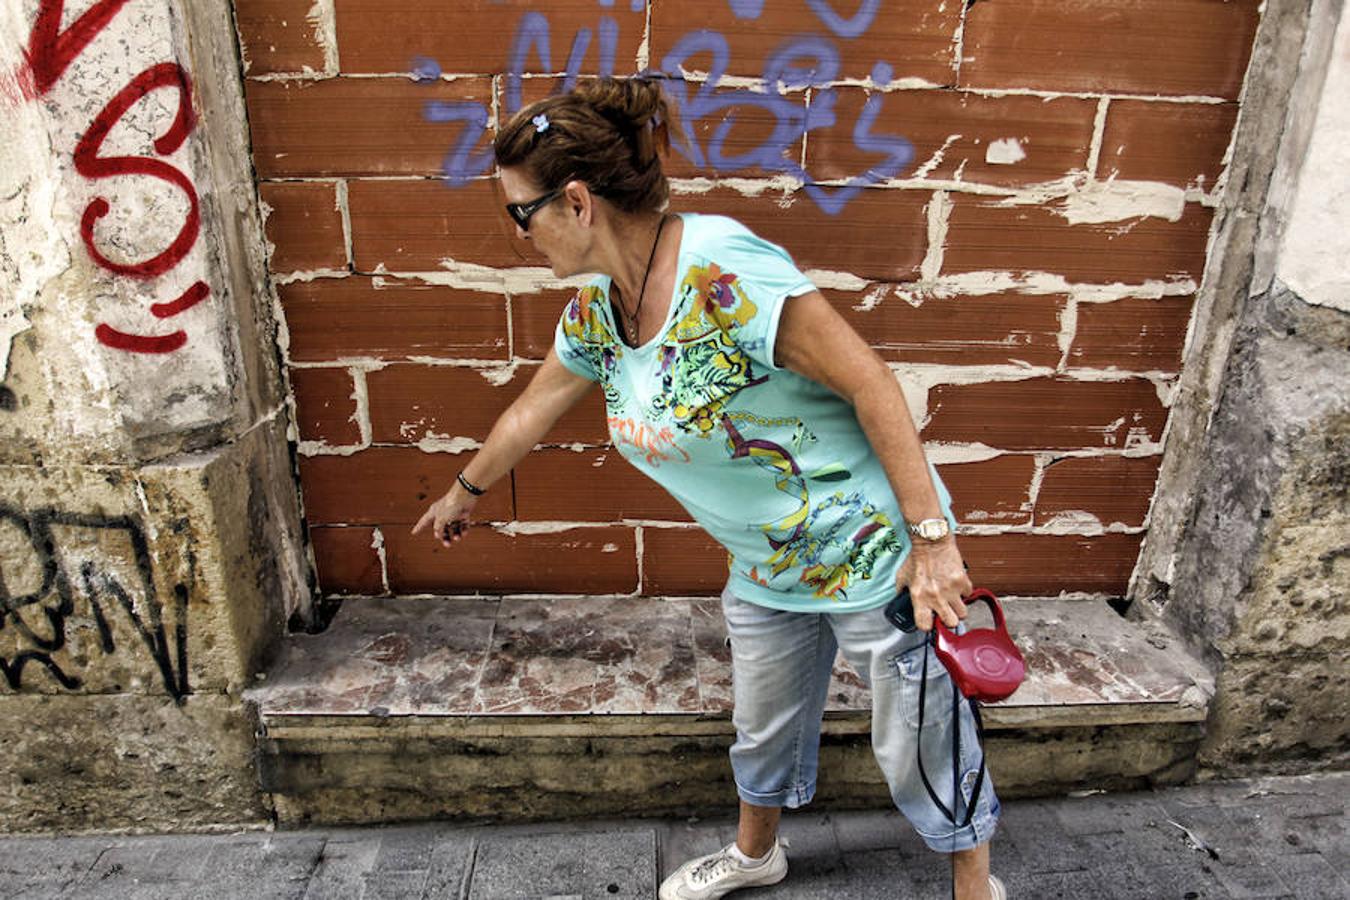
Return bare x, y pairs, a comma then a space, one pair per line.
788, 797
979, 831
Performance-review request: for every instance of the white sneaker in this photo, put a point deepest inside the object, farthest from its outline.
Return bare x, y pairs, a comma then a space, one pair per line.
712, 876
996, 889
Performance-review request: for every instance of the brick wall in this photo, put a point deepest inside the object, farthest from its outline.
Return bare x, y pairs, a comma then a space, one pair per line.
1010, 198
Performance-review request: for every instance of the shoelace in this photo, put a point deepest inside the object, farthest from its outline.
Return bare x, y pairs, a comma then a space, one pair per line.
710, 870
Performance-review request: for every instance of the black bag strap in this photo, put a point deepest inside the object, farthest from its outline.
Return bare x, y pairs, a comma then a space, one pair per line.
956, 745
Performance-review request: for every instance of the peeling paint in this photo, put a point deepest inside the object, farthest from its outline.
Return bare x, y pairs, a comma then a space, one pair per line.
442, 443
33, 249
1117, 201
323, 19
936, 159
361, 398
872, 299
1004, 152
309, 275
515, 528
974, 284
1074, 521
1063, 529
837, 281
746, 187
940, 454
377, 544
1098, 134
471, 276
498, 376
939, 211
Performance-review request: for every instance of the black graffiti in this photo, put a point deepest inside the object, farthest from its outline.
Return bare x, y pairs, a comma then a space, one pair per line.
39, 618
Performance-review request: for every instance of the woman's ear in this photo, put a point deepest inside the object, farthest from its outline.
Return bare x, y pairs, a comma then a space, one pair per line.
580, 202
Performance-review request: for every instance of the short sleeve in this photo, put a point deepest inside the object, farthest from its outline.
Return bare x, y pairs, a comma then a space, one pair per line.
762, 273
582, 337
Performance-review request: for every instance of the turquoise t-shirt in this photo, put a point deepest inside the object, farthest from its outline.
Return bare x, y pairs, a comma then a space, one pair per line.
773, 465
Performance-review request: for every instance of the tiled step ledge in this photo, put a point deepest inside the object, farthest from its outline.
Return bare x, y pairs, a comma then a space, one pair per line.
578, 666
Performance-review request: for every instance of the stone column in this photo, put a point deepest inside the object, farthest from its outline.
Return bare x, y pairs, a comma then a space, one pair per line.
150, 540
1249, 550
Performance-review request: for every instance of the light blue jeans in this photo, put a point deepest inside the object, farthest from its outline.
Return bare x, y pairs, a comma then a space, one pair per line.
781, 664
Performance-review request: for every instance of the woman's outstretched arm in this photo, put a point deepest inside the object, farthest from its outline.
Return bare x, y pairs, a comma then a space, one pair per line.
552, 391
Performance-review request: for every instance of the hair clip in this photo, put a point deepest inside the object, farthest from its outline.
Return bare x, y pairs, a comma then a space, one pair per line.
540, 123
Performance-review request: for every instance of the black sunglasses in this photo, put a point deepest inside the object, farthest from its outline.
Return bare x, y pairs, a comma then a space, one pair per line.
521, 212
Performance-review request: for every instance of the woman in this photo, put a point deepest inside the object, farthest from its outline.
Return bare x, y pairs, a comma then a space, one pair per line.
792, 446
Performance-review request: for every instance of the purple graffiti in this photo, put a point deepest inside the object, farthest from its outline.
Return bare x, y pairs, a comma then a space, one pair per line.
425, 69
846, 28
801, 62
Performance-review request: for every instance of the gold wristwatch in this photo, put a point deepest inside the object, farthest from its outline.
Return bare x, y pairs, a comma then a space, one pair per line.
932, 530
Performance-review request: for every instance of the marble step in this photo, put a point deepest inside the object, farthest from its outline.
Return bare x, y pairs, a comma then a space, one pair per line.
517, 708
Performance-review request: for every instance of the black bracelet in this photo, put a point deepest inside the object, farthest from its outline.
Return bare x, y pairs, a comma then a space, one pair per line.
471, 488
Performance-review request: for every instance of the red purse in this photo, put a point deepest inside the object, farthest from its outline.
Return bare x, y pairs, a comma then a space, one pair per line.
984, 662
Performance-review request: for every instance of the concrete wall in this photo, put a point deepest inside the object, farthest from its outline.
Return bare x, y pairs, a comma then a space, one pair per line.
1249, 550
1014, 218
150, 549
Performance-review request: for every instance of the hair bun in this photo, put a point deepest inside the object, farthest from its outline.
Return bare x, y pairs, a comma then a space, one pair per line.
630, 103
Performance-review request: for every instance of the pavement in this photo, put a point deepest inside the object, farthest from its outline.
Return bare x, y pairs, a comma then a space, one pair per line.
1263, 838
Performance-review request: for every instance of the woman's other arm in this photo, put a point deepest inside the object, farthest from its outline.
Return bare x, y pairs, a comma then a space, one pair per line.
551, 392
816, 342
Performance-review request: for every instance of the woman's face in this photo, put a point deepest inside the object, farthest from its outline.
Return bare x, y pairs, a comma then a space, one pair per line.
554, 229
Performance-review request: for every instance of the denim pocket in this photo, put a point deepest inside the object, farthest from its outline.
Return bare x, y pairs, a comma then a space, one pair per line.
937, 689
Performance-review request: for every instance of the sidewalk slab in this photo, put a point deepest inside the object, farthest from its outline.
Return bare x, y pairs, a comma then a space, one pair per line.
1108, 846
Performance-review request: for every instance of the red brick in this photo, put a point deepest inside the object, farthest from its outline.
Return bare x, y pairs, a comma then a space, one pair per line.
1115, 489
1179, 143
356, 126
304, 226
534, 318
984, 236
1046, 564
881, 233
991, 492
1046, 413
1133, 335
576, 561
411, 226
476, 36
409, 403
325, 406
391, 485
1055, 135
682, 562
1177, 47
914, 37
347, 561
277, 36
591, 486
386, 318
751, 130
966, 330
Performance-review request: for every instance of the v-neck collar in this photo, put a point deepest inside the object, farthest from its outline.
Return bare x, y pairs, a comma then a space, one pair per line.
608, 306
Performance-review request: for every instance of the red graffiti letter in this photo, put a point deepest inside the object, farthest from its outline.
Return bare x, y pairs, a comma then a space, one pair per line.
51, 50
139, 343
89, 164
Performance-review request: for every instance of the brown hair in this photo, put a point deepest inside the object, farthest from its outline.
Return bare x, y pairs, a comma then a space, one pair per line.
607, 132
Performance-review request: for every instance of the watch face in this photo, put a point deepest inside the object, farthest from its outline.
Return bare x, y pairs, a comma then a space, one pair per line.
933, 529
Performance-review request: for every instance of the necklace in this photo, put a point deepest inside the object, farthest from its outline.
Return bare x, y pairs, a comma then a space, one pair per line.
631, 320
